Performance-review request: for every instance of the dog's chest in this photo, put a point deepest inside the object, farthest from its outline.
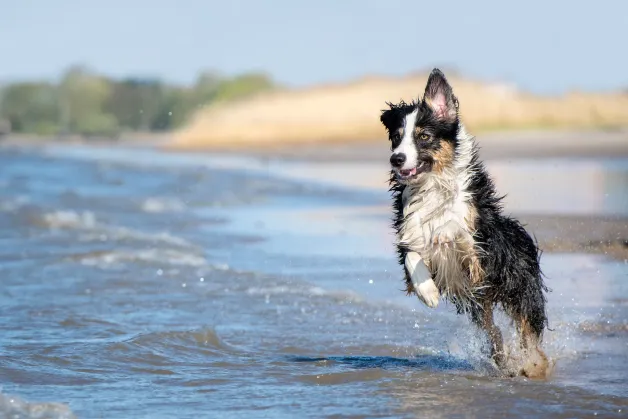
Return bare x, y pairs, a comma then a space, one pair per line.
433, 218
436, 225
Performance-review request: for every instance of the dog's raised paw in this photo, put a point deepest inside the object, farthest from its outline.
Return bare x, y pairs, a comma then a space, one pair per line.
428, 292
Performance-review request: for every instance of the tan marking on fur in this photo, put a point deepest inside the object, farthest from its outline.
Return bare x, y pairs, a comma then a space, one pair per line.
410, 288
400, 131
468, 258
471, 217
536, 364
476, 273
494, 334
443, 157
526, 333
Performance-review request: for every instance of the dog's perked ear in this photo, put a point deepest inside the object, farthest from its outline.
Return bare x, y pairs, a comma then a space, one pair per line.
440, 97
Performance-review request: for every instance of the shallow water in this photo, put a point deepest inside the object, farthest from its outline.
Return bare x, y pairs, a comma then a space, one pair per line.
139, 284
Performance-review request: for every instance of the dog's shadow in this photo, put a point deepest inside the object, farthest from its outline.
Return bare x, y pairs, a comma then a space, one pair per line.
444, 363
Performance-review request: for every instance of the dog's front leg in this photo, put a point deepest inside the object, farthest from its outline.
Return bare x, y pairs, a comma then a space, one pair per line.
422, 280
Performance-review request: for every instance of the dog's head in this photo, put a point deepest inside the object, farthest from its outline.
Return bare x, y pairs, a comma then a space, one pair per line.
423, 134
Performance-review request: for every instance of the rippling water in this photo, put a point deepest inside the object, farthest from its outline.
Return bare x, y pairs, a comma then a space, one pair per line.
139, 284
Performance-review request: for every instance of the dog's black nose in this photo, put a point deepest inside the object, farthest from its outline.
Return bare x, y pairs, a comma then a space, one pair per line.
397, 159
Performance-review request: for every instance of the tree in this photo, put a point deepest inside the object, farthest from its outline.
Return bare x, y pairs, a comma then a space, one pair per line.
82, 96
242, 86
31, 107
135, 102
87, 103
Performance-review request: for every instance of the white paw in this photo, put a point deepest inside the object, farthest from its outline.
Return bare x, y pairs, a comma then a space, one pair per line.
427, 292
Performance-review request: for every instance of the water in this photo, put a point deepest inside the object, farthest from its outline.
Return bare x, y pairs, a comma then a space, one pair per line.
146, 285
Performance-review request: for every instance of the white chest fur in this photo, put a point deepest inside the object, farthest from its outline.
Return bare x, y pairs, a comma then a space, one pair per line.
438, 220
437, 210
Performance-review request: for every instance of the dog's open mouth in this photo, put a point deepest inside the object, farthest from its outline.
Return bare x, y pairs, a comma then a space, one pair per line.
410, 173
407, 173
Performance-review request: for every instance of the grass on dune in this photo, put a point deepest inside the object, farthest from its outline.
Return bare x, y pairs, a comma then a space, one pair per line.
350, 112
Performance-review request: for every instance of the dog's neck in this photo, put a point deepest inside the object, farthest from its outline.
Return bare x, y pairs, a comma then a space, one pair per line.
437, 193
432, 195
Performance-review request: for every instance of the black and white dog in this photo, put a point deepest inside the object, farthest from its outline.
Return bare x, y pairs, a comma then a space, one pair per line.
452, 237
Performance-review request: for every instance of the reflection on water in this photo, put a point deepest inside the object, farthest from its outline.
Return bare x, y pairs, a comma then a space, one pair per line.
563, 186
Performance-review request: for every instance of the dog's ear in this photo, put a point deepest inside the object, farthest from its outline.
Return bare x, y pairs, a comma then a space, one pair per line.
440, 97
390, 118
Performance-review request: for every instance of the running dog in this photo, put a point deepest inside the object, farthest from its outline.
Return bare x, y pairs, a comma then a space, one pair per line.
453, 239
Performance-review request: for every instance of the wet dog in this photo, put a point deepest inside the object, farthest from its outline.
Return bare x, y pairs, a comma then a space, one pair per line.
453, 239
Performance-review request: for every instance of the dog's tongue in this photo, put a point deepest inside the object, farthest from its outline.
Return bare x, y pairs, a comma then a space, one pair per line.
409, 172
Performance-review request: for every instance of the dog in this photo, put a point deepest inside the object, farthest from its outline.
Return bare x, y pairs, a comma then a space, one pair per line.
453, 239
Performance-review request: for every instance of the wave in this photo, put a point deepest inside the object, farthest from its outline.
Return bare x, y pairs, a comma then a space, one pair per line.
109, 259
94, 230
304, 290
13, 204
15, 407
160, 205
69, 220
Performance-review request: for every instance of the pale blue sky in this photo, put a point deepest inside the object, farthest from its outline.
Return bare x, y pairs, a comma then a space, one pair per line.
545, 46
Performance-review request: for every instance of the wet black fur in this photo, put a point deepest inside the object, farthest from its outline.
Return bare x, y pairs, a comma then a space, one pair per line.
508, 255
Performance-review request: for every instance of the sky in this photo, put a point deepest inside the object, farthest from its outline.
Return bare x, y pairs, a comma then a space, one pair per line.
545, 46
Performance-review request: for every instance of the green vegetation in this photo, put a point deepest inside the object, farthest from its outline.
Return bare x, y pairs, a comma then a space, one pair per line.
86, 103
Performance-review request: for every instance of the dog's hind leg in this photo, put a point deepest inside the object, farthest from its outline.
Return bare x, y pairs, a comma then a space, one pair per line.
536, 364
484, 318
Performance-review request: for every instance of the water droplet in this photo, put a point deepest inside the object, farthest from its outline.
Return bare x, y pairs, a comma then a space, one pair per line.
202, 279
370, 281
184, 285
159, 272
170, 113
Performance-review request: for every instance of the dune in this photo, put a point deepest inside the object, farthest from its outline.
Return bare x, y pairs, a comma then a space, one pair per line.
350, 112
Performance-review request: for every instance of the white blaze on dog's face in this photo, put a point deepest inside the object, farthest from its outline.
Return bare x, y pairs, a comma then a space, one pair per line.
423, 135
407, 147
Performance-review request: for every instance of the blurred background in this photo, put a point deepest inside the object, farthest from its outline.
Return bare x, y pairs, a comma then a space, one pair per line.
87, 69
194, 214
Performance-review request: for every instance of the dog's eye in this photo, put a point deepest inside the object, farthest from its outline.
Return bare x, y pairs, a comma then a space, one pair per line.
395, 137
424, 137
